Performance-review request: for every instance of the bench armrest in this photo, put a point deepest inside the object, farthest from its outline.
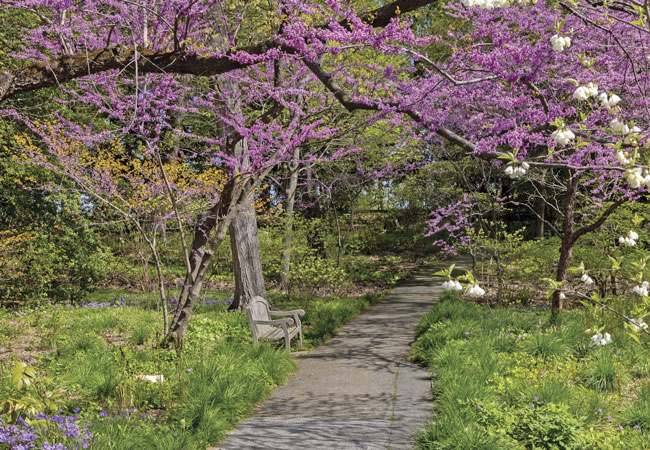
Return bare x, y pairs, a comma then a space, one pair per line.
287, 313
274, 322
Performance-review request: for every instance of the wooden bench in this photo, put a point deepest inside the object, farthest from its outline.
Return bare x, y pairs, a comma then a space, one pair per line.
264, 327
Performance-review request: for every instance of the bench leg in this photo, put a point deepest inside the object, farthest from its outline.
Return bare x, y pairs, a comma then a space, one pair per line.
287, 338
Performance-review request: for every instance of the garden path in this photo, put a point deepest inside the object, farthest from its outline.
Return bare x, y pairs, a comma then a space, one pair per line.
357, 391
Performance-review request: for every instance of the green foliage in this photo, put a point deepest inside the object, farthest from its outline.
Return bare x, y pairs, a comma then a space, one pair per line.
313, 274
539, 426
98, 357
503, 379
47, 246
37, 394
638, 413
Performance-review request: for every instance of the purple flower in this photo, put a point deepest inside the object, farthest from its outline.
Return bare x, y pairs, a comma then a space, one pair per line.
103, 414
189, 369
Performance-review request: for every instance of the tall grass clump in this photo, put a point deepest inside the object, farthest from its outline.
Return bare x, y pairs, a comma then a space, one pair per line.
503, 378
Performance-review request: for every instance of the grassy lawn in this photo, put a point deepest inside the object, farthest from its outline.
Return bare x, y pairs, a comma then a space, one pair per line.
89, 358
504, 379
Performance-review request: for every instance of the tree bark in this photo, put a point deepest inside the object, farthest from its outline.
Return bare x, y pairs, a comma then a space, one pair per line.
568, 241
245, 245
288, 225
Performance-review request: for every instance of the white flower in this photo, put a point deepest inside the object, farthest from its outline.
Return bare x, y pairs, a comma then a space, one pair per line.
619, 127
475, 291
562, 296
452, 285
626, 242
517, 171
634, 177
581, 94
558, 43
562, 136
600, 339
609, 102
592, 89
641, 290
629, 240
586, 91
632, 138
639, 324
586, 279
614, 100
485, 4
604, 101
622, 158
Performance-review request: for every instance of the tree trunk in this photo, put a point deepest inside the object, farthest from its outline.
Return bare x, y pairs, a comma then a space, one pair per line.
288, 225
217, 218
245, 245
568, 241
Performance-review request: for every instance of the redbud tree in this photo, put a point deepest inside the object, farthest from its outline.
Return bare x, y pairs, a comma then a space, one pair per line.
517, 83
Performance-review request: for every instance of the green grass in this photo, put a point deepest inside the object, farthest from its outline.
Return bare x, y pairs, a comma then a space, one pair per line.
503, 378
93, 356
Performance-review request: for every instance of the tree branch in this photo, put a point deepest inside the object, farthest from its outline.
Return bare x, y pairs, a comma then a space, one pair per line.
66, 68
594, 226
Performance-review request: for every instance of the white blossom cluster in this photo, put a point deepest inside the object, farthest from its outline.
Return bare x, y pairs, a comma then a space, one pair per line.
475, 291
609, 102
559, 43
622, 158
485, 4
642, 289
453, 285
517, 171
585, 91
601, 339
491, 4
586, 279
562, 136
636, 177
629, 240
631, 134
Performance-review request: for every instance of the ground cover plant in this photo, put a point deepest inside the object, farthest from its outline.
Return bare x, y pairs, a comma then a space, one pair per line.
79, 381
504, 378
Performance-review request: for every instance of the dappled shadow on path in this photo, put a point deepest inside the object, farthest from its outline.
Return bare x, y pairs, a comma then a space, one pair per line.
357, 391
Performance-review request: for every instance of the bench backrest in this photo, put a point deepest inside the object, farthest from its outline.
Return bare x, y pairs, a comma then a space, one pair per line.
258, 309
